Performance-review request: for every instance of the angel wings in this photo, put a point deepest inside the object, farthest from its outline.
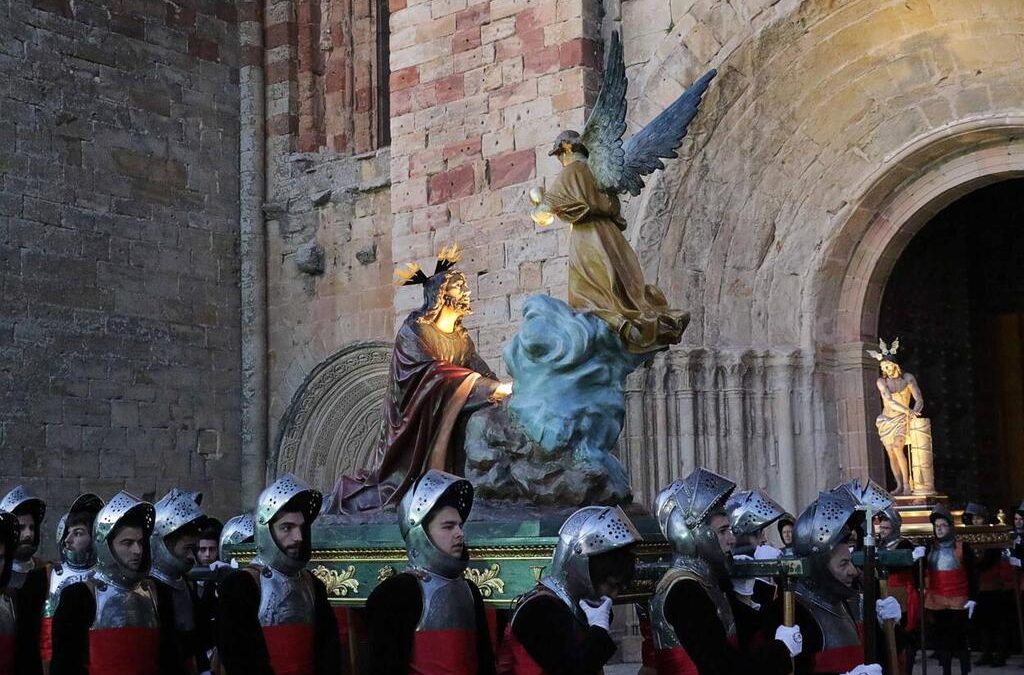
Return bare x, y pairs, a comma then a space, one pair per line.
887, 351
619, 166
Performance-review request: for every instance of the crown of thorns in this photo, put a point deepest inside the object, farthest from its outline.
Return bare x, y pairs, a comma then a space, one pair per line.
887, 351
413, 274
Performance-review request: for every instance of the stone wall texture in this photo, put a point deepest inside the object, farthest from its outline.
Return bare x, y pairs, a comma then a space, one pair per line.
119, 310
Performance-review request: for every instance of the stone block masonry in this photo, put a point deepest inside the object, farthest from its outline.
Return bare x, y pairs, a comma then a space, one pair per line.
119, 316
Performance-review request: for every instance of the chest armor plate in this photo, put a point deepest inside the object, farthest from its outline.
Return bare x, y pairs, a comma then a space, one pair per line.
285, 599
61, 577
447, 604
118, 607
7, 616
838, 621
663, 633
943, 558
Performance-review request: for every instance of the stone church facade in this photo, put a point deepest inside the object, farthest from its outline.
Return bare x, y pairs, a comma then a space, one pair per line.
290, 162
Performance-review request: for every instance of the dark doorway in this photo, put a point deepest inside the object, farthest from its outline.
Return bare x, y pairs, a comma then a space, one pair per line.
955, 299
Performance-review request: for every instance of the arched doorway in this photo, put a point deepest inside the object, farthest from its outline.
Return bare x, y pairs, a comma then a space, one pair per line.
955, 298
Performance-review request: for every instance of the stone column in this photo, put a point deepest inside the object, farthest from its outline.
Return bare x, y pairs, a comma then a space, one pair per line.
661, 469
781, 367
709, 410
860, 451
735, 426
681, 378
633, 432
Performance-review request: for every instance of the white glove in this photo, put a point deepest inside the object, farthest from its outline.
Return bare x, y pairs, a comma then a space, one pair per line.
743, 587
600, 616
217, 564
917, 553
766, 552
866, 669
888, 608
234, 563
1014, 561
969, 606
791, 637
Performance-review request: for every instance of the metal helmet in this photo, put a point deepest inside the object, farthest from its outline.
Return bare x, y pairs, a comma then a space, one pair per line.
176, 510
124, 505
870, 493
975, 509
683, 510
238, 530
750, 511
9, 538
286, 489
87, 503
825, 524
589, 532
435, 488
21, 500
893, 516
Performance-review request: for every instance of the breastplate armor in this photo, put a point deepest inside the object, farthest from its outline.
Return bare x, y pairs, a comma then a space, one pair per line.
7, 615
664, 634
19, 572
118, 607
285, 599
61, 577
943, 557
837, 620
447, 604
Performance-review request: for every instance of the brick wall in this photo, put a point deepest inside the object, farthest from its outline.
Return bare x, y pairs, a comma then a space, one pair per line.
119, 336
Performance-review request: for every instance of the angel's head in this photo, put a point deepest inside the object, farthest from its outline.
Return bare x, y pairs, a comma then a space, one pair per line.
567, 144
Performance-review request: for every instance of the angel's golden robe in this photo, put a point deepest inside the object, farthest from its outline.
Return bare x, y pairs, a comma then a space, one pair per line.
604, 273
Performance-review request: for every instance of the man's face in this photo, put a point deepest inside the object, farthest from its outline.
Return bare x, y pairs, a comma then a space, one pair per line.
840, 564
941, 528
287, 531
184, 547
457, 294
78, 539
129, 547
787, 535
890, 369
977, 519
445, 530
27, 540
884, 529
719, 524
1018, 521
207, 552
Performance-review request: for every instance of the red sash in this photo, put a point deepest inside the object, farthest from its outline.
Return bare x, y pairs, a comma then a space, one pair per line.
290, 647
950, 583
841, 659
904, 580
7, 654
124, 651
46, 639
674, 661
443, 652
513, 659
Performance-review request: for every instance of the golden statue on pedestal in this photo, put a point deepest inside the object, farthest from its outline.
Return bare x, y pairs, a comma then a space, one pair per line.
900, 424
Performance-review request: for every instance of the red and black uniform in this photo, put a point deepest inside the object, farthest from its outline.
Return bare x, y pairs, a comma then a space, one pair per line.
996, 580
29, 589
949, 584
546, 637
428, 625
833, 634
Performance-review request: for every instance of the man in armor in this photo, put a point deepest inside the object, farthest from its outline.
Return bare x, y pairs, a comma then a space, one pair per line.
828, 601
108, 624
430, 619
207, 555
995, 579
77, 562
274, 615
692, 621
179, 518
237, 531
29, 576
949, 592
8, 617
561, 625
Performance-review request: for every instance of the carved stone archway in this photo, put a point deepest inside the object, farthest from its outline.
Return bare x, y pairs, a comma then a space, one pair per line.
332, 424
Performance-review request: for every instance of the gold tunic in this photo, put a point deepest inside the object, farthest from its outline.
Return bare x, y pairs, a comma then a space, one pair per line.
604, 273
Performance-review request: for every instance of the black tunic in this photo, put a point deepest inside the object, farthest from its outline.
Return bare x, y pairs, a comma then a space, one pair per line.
178, 649
28, 603
393, 611
554, 638
241, 647
694, 618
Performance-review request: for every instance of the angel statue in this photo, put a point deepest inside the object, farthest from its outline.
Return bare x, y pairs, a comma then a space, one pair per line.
900, 424
605, 277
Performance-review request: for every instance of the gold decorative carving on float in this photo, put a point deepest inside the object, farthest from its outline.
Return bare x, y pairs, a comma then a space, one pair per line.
385, 573
487, 580
340, 584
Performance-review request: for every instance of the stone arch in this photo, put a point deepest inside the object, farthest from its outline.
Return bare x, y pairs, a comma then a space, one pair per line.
332, 424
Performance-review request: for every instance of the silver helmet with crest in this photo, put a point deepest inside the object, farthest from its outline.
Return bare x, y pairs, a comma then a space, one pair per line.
870, 493
175, 511
238, 530
826, 523
433, 489
589, 532
287, 490
85, 503
750, 511
128, 510
21, 500
684, 509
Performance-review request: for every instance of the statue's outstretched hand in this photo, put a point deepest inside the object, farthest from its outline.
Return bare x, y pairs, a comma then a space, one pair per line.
503, 390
